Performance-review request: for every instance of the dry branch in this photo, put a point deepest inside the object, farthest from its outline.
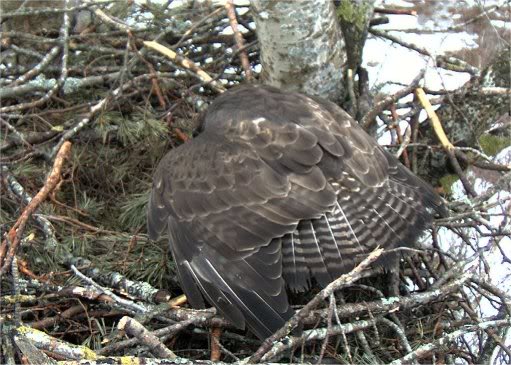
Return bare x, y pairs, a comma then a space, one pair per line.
369, 118
240, 42
444, 141
186, 63
135, 329
426, 350
10, 244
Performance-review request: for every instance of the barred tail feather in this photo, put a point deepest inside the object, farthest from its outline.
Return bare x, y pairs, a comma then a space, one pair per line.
389, 216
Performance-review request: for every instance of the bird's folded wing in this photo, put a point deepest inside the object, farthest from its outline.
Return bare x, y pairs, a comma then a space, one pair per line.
225, 207
255, 173
247, 290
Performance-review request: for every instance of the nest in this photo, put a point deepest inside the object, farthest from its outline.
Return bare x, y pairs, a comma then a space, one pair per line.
89, 107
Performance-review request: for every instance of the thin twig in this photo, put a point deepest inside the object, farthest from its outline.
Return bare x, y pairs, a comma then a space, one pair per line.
186, 63
137, 330
125, 304
444, 141
368, 119
427, 349
238, 38
216, 353
395, 10
164, 333
15, 233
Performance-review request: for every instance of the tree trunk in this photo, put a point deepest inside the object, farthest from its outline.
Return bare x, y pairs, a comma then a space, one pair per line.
301, 46
354, 16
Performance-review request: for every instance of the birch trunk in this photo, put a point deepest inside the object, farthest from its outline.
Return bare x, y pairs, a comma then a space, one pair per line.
301, 46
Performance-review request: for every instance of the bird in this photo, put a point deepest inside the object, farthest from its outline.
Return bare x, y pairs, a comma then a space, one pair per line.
279, 191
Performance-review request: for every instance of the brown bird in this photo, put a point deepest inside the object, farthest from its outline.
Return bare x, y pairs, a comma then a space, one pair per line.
279, 189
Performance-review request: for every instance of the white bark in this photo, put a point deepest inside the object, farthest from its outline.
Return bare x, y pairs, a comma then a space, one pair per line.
301, 46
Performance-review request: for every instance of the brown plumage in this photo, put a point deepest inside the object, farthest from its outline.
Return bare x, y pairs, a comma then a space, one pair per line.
278, 189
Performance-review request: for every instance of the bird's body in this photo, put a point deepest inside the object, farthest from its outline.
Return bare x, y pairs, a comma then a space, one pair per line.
279, 189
